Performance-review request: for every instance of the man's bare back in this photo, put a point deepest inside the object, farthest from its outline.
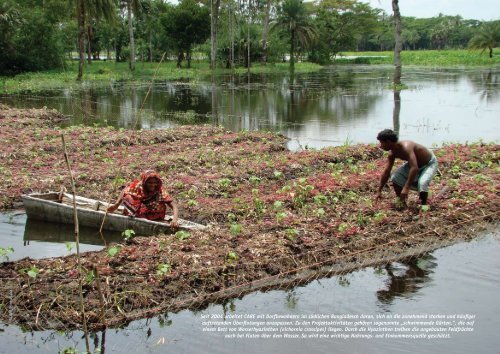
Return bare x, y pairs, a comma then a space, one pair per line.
403, 150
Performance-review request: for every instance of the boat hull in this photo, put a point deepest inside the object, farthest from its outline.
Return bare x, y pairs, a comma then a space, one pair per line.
48, 207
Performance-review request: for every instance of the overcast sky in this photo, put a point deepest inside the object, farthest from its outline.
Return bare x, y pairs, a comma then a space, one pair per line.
469, 9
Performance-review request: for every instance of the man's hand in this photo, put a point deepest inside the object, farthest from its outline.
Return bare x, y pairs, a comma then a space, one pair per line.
404, 194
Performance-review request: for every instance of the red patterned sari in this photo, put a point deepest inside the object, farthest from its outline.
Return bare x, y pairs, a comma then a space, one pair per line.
140, 203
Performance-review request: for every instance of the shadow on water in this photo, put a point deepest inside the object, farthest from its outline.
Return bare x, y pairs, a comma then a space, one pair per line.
36, 230
39, 239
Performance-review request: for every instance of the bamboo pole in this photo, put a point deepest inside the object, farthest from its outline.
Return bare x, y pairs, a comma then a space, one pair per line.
77, 241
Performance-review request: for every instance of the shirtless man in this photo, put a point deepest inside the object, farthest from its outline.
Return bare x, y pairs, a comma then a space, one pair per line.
415, 174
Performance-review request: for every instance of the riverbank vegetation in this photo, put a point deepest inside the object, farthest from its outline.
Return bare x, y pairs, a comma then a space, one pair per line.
40, 35
276, 218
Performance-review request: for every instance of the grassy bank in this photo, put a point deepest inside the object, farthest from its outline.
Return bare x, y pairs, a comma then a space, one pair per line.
437, 58
103, 72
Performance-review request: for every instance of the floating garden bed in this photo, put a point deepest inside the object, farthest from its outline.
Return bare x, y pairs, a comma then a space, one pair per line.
277, 218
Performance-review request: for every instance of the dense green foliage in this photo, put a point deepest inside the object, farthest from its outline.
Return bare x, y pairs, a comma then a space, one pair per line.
38, 34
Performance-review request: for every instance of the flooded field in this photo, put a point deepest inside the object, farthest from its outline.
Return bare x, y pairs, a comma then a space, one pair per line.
337, 106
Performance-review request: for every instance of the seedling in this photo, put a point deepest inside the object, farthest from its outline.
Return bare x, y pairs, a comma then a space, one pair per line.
163, 269
113, 251
5, 251
235, 229
182, 235
128, 234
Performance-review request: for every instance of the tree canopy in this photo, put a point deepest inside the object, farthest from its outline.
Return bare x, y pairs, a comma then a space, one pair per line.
43, 34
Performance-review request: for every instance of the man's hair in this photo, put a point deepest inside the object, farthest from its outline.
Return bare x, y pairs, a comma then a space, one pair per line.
387, 135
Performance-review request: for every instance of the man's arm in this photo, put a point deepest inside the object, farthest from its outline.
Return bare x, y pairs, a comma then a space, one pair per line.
386, 174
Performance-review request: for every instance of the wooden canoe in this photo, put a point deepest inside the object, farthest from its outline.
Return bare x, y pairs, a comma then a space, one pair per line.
58, 207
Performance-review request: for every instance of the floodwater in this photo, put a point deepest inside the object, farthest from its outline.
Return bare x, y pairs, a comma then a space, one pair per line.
459, 280
339, 105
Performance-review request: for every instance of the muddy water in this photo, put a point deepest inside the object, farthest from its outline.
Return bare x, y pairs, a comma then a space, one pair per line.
457, 280
346, 104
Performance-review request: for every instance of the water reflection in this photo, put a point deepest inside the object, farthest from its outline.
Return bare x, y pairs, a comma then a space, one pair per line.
36, 230
395, 287
324, 108
405, 279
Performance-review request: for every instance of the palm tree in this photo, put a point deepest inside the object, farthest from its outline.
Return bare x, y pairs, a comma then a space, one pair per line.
86, 9
293, 17
488, 37
398, 42
131, 6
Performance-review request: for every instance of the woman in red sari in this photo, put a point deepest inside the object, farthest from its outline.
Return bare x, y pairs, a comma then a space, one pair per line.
145, 198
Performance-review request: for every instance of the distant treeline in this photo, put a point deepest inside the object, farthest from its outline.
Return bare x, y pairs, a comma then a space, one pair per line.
42, 34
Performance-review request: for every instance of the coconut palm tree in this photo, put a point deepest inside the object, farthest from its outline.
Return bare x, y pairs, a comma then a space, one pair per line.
294, 19
488, 37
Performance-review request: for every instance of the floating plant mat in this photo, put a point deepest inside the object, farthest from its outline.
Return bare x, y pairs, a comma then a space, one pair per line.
278, 218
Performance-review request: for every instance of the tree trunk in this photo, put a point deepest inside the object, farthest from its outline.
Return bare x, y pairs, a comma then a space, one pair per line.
81, 37
491, 52
248, 41
231, 30
131, 35
398, 42
188, 57
292, 51
180, 56
89, 44
396, 111
214, 19
265, 31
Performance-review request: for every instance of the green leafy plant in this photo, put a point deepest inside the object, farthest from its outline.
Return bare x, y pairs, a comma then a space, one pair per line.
224, 183
32, 272
4, 252
232, 256
113, 251
182, 235
163, 269
291, 234
235, 229
254, 180
280, 216
90, 277
69, 246
128, 234
379, 216
343, 226
277, 205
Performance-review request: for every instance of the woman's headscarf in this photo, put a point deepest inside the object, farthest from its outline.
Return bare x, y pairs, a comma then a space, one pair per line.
143, 203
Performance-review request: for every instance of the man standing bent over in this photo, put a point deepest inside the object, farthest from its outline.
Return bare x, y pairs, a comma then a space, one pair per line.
415, 174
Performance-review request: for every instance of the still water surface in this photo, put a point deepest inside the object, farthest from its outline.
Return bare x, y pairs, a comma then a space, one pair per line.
338, 105
460, 279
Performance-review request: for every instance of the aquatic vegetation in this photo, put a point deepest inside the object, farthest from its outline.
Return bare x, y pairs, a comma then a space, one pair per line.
270, 211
